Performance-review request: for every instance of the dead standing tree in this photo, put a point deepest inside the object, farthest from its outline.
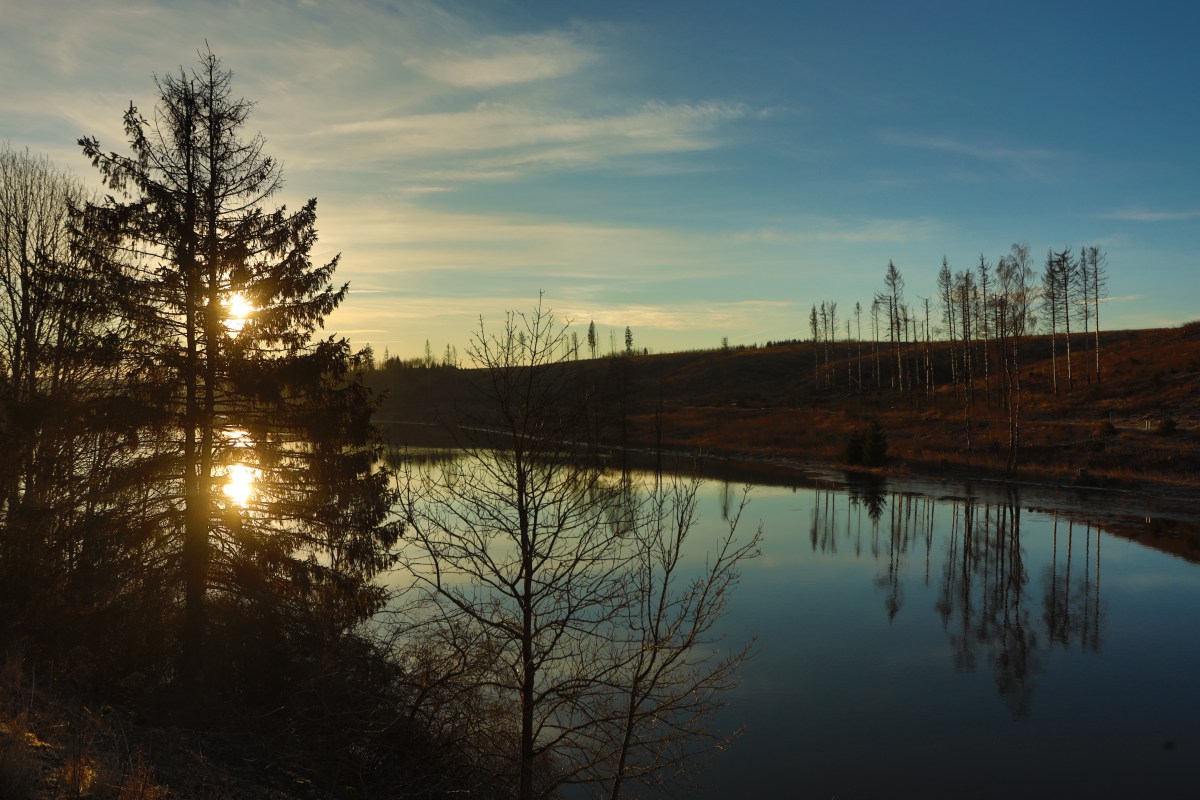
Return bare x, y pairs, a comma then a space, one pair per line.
1015, 276
894, 298
1067, 269
1050, 294
1095, 282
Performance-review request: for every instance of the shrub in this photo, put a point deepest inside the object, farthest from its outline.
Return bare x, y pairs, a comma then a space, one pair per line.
1166, 426
1103, 428
867, 446
875, 444
854, 448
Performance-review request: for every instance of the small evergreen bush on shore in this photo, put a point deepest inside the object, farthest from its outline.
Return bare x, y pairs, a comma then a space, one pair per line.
867, 446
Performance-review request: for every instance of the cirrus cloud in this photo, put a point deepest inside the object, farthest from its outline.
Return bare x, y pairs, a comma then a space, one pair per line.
1145, 215
506, 60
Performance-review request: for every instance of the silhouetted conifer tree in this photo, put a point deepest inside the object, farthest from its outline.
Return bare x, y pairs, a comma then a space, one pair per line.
261, 459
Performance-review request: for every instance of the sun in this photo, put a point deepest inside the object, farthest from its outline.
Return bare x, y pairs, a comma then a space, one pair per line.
239, 309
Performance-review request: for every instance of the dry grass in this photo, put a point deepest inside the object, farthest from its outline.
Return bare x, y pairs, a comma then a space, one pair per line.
52, 749
140, 783
20, 771
1139, 424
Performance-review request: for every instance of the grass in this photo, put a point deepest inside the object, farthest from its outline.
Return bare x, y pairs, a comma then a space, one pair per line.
53, 748
20, 772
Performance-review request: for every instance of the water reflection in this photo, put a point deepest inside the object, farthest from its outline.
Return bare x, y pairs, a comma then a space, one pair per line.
973, 550
984, 591
240, 477
889, 623
1073, 613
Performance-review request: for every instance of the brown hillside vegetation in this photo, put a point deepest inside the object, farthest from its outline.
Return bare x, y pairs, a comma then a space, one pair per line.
1136, 427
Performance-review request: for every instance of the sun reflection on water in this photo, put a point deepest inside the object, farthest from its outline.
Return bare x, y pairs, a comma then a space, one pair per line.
240, 478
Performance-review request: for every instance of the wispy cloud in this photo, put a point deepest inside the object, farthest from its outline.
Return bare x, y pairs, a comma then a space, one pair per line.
1027, 163
509, 139
391, 90
1144, 215
829, 230
678, 317
497, 246
657, 325
506, 60
986, 152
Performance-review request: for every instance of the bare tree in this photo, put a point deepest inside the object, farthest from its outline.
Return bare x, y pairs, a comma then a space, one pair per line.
849, 358
35, 260
1050, 302
1015, 275
1097, 262
571, 581
825, 340
946, 296
830, 319
875, 340
985, 275
668, 700
62, 457
1066, 273
965, 288
1084, 309
814, 328
858, 335
929, 383
894, 296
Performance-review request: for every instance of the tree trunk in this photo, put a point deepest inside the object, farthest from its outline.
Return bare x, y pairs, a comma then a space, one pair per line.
1096, 297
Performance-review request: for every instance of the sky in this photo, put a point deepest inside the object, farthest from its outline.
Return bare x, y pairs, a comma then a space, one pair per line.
691, 170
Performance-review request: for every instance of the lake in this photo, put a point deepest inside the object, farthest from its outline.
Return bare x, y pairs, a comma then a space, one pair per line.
957, 645
929, 639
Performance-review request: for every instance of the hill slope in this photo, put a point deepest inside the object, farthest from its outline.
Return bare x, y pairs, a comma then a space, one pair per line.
1137, 425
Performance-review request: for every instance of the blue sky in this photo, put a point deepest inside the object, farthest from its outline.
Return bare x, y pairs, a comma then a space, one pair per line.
693, 170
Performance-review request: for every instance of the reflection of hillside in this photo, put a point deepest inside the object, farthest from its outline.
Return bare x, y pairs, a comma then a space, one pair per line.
983, 596
1173, 536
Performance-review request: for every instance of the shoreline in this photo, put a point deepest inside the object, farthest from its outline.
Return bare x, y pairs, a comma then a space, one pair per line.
1142, 511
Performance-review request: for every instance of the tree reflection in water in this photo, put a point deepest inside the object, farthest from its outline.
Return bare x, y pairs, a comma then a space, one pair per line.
984, 599
1073, 612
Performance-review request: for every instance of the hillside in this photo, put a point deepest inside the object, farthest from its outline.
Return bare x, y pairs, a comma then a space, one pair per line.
1137, 426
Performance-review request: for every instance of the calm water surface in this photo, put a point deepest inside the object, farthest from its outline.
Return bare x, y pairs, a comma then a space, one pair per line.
916, 647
